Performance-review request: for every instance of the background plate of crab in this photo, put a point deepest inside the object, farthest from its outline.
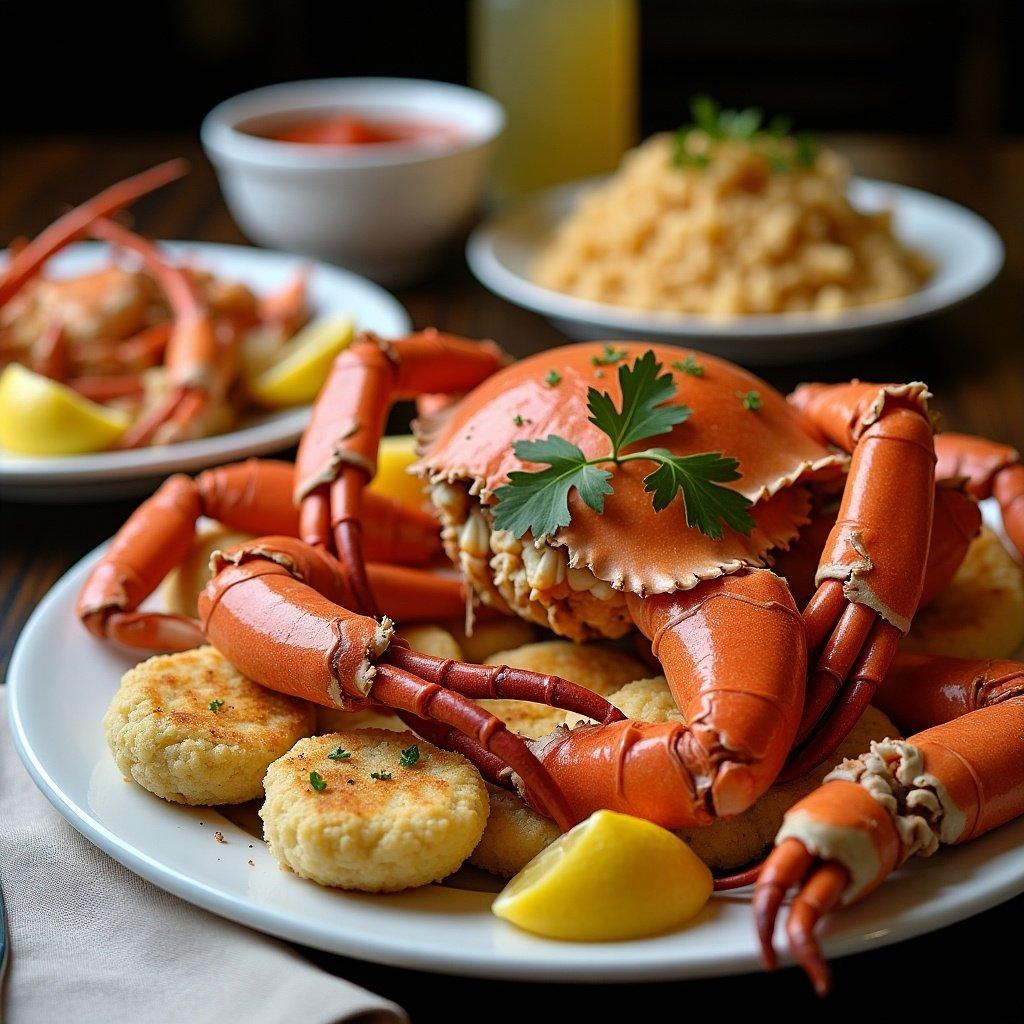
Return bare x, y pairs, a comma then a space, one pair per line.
110, 474
61, 681
965, 250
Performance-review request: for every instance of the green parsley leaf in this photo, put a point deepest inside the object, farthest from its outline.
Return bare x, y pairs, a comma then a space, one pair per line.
706, 504
539, 501
751, 401
409, 756
216, 704
644, 389
740, 124
610, 356
806, 150
317, 781
689, 365
517, 420
381, 776
340, 754
705, 115
553, 378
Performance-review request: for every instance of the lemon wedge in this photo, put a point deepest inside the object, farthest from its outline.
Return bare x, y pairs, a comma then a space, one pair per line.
611, 877
395, 455
300, 372
39, 416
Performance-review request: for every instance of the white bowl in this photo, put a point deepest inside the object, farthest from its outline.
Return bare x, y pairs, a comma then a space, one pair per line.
387, 211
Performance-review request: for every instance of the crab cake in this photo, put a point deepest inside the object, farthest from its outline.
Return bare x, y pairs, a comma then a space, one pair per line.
192, 729
514, 835
980, 614
599, 667
431, 639
733, 842
490, 636
647, 700
184, 583
425, 639
372, 820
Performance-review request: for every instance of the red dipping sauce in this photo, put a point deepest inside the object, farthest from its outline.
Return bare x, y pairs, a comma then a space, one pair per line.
347, 129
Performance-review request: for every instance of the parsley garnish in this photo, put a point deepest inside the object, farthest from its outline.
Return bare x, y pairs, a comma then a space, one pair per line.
340, 754
538, 501
782, 150
610, 356
689, 365
216, 704
409, 756
751, 401
381, 776
517, 420
553, 378
317, 781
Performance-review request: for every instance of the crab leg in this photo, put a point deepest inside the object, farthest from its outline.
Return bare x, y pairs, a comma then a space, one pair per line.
253, 497
956, 780
197, 366
871, 574
741, 712
955, 523
992, 470
269, 610
338, 452
30, 259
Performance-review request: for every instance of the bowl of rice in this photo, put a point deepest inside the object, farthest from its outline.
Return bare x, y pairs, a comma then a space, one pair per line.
753, 240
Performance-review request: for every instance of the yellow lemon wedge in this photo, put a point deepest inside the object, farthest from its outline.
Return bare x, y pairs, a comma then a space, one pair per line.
612, 877
300, 372
39, 416
395, 455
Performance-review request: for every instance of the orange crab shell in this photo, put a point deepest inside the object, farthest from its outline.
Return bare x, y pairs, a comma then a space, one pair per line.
630, 545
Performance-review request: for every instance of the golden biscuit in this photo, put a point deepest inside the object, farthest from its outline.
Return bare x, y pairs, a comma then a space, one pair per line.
371, 820
980, 614
192, 729
514, 835
599, 667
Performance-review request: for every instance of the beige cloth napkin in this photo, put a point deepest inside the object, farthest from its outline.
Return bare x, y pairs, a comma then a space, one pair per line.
91, 942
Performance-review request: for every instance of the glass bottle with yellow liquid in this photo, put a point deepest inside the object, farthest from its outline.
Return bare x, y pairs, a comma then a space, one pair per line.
565, 71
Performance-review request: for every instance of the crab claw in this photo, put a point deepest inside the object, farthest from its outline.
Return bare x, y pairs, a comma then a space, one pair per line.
823, 885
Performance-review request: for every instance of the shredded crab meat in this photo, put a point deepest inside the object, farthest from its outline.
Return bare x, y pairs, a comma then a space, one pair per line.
519, 576
893, 773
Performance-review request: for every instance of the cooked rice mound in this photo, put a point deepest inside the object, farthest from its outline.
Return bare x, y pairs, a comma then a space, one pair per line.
165, 736
375, 835
727, 239
980, 614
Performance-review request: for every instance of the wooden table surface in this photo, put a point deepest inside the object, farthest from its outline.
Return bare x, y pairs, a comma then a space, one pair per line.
972, 357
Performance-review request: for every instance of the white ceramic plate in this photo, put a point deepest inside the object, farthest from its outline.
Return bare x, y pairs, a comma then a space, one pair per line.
60, 682
106, 475
965, 249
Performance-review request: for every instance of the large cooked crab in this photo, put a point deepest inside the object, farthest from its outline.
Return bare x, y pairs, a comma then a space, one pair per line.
743, 478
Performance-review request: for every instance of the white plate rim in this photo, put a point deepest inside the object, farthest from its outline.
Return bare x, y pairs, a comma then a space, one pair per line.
498, 277
609, 962
271, 434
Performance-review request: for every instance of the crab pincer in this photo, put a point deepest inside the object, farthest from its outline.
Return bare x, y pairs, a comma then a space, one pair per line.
957, 779
871, 573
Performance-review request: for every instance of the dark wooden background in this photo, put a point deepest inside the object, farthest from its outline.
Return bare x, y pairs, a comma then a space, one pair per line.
973, 357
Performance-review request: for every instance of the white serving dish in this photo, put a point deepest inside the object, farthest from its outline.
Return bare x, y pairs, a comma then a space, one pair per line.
60, 682
966, 250
387, 211
104, 476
